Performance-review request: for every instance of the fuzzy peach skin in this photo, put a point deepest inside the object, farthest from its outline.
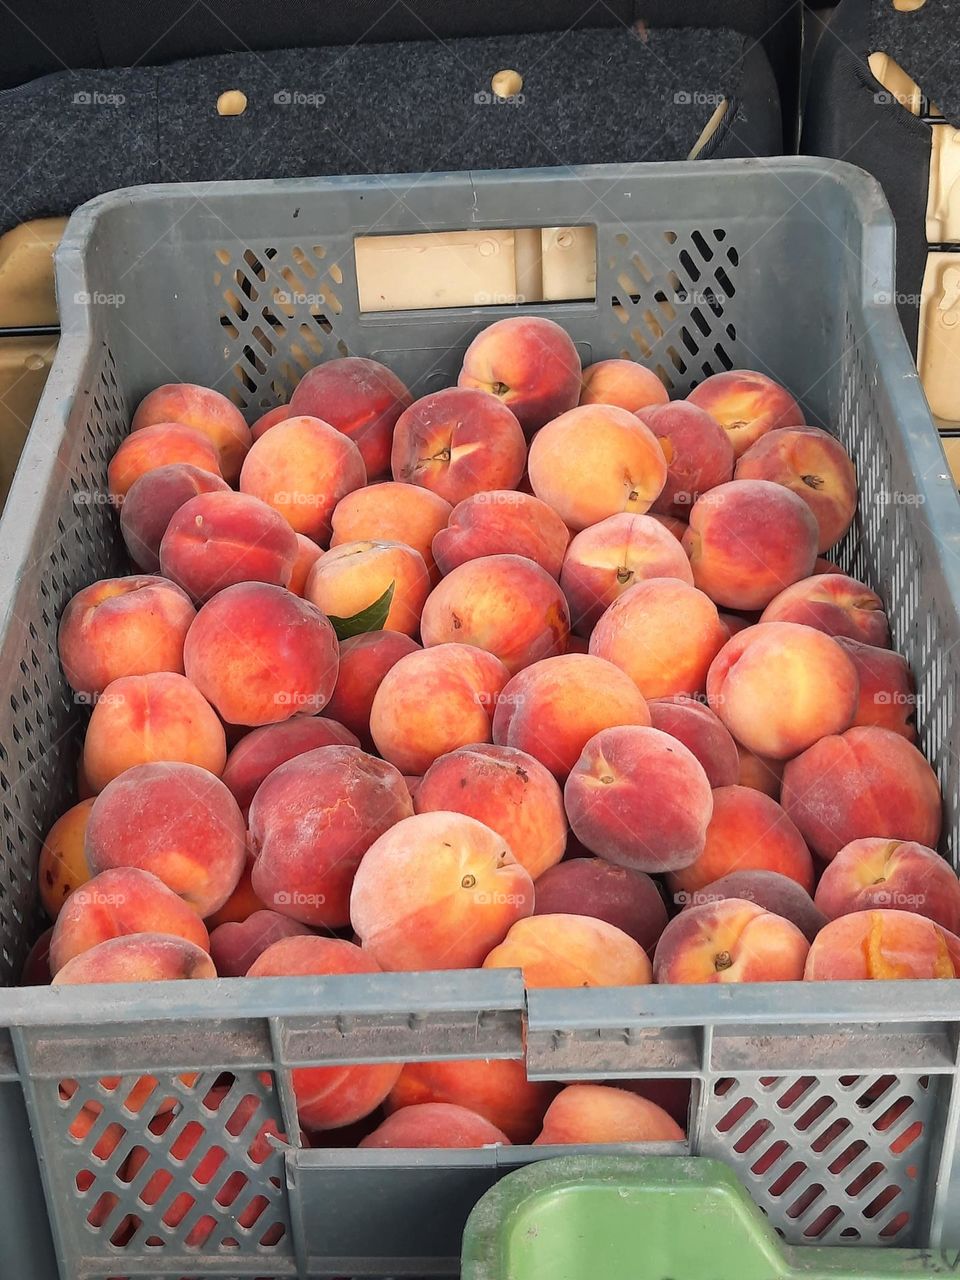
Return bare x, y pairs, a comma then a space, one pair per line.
241, 904
122, 627
640, 799
364, 661
63, 863
261, 655
141, 719
770, 890
434, 1124
311, 822
623, 383
328, 1097
628, 900
279, 413
702, 732
355, 575
437, 891
159, 446
884, 945
235, 945
205, 410
308, 553
458, 442
302, 468
502, 522
506, 605
360, 397
834, 604
888, 691
747, 405
873, 874
748, 832
552, 708
176, 821
780, 687
815, 465
760, 773
262, 750
392, 512
748, 541
673, 524
571, 951
434, 701
124, 900
731, 940
664, 634
150, 503
138, 957
600, 1114
867, 782
698, 451
605, 560
506, 789
528, 363
495, 1088
596, 461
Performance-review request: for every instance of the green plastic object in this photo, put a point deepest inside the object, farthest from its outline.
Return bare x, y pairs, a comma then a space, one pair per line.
653, 1218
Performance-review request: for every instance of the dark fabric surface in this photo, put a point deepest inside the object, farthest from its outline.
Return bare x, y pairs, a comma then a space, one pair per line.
926, 43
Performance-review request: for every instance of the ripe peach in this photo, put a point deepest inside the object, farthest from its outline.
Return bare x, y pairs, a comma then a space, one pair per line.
552, 708
495, 1088
141, 719
775, 893
437, 891
826, 566
138, 957
702, 732
261, 655
623, 383
279, 413
698, 451
242, 903
328, 1097
748, 832
499, 523
815, 465
888, 691
834, 604
874, 873
664, 634
639, 798
506, 789
302, 468
865, 782
354, 575
528, 363
205, 410
731, 940
506, 605
63, 863
364, 660
760, 773
747, 405
882, 945
36, 967
672, 524
601, 1114
780, 687
117, 902
596, 461
150, 503
571, 951
749, 540
308, 553
393, 512
458, 442
311, 822
433, 701
159, 446
737, 622
176, 821
260, 752
434, 1124
235, 945
605, 560
360, 397
629, 900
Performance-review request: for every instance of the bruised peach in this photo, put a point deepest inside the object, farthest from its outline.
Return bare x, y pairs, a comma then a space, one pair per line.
63, 863
604, 560
888, 691
731, 940
495, 1088
234, 945
364, 661
138, 957
760, 773
506, 789
279, 413
596, 461
571, 951
834, 604
629, 900
875, 873
205, 410
639, 798
600, 1114
392, 512
623, 383
434, 1124
770, 890
151, 502
702, 732
437, 891
698, 451
530, 364
159, 446
747, 405
882, 945
499, 523
308, 553
260, 752
355, 575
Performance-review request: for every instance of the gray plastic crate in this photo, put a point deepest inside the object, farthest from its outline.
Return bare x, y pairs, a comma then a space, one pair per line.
837, 1104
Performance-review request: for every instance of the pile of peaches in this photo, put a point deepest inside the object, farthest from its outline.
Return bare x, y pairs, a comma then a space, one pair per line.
541, 671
